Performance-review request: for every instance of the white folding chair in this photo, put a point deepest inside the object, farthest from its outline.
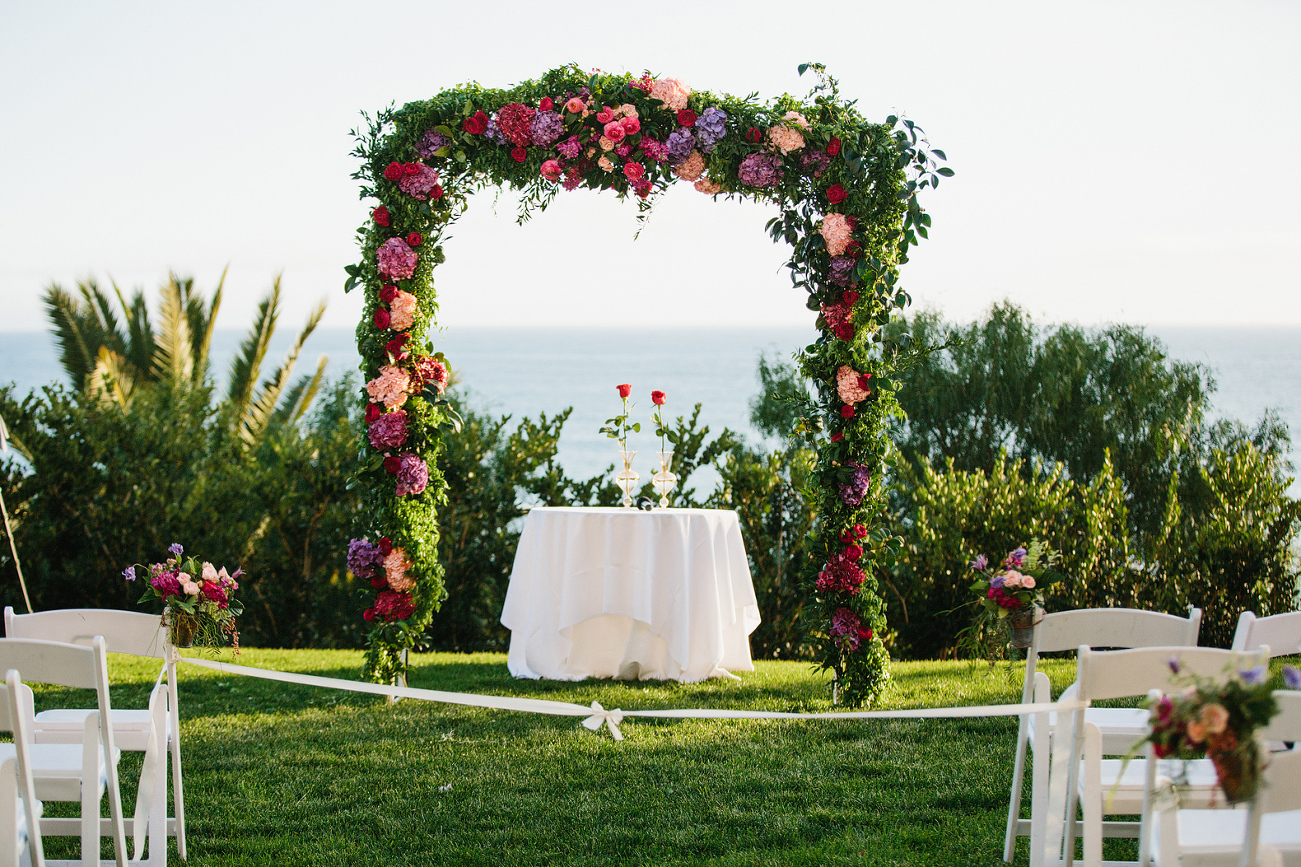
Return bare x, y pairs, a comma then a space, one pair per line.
57, 773
1120, 727
20, 812
1281, 632
1267, 832
1113, 786
137, 634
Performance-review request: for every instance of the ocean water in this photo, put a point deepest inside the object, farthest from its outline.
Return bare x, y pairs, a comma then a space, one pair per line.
528, 371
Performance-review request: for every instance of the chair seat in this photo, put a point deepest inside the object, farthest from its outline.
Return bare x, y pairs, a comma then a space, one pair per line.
1123, 784
56, 770
1213, 838
1121, 727
65, 726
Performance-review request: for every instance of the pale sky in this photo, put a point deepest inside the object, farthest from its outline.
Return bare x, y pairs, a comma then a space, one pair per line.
1116, 161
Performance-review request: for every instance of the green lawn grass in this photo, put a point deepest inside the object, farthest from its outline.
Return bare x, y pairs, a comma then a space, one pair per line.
287, 775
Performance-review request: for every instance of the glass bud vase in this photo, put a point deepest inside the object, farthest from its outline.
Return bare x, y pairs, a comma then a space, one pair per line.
627, 477
664, 480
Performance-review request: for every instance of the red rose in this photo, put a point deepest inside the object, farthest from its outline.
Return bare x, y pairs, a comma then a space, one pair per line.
436, 192
476, 125
546, 104
394, 346
836, 194
393, 171
687, 117
388, 293
864, 634
633, 171
381, 319
410, 169
392, 464
373, 412
519, 155
847, 411
753, 135
380, 216
378, 582
860, 531
833, 146
853, 551
862, 381
850, 296
385, 546
624, 390
844, 331
837, 436
368, 614
657, 398
631, 125
415, 239
852, 249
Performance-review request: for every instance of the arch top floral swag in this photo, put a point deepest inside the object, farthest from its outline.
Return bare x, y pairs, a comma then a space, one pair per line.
847, 190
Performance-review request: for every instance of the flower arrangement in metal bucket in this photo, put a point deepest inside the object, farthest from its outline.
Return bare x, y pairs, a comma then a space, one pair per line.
1009, 600
199, 605
1217, 720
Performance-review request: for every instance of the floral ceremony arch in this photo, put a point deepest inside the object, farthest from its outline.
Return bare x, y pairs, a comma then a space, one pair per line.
847, 190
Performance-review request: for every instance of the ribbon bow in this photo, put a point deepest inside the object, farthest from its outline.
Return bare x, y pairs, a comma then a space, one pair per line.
600, 716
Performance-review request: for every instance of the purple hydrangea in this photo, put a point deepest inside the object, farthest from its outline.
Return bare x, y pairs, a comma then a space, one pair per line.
545, 128
431, 143
760, 170
389, 431
815, 162
413, 475
843, 271
493, 132
570, 148
364, 559
710, 127
654, 148
853, 493
175, 549
1253, 676
680, 144
844, 628
1292, 677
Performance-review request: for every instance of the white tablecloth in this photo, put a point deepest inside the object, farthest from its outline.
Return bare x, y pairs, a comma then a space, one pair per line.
660, 595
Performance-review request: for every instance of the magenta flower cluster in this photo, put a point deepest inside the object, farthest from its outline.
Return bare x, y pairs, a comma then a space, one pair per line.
389, 431
412, 475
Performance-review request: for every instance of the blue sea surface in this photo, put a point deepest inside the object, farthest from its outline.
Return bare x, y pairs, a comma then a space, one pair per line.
528, 371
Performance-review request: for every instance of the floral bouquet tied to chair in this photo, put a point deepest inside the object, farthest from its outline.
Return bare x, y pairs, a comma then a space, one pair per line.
199, 605
1010, 600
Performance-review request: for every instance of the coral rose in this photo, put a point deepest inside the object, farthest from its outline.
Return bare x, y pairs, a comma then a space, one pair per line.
575, 105
657, 398
624, 390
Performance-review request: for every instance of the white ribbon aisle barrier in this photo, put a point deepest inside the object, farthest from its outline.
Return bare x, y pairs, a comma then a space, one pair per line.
596, 716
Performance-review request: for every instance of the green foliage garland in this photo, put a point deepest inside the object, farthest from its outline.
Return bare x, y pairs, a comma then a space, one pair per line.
847, 190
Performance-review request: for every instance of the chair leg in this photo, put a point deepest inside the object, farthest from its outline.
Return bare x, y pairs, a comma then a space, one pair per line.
178, 793
89, 824
1018, 784
1092, 797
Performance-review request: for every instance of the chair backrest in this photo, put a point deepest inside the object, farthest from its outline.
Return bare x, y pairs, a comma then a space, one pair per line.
1107, 627
1121, 673
132, 632
1282, 776
1282, 632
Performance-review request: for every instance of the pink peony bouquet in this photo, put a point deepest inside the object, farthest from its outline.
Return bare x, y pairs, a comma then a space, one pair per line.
199, 605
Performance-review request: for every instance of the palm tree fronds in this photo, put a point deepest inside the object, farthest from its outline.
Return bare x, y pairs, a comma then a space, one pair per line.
299, 397
247, 366
204, 334
173, 355
262, 408
140, 333
111, 381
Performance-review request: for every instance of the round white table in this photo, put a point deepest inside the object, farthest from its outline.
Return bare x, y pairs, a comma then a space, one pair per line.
627, 594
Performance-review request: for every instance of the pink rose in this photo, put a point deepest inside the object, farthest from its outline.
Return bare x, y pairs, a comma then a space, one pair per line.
551, 170
631, 125
615, 132
575, 105
633, 171
605, 115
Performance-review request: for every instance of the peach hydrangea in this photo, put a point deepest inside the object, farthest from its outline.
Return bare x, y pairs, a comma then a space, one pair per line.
836, 229
402, 311
691, 168
390, 387
785, 139
847, 385
628, 110
672, 92
396, 565
708, 186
